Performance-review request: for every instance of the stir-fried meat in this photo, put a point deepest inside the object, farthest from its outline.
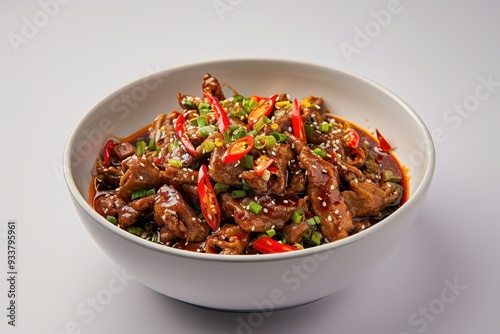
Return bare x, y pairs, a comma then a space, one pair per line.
330, 183
177, 176
276, 211
124, 150
323, 192
366, 198
256, 182
297, 178
293, 232
229, 239
140, 173
220, 172
282, 155
176, 218
194, 100
108, 204
110, 174
129, 213
212, 85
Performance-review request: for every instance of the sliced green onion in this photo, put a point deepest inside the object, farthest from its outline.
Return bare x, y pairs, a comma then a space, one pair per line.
201, 121
208, 146
112, 219
203, 105
238, 98
152, 145
313, 220
316, 238
188, 103
155, 237
259, 142
220, 188
247, 161
135, 230
239, 132
173, 146
253, 133
245, 185
271, 232
140, 147
270, 141
175, 163
142, 193
206, 130
280, 137
260, 124
309, 130
320, 152
297, 216
255, 207
324, 127
249, 104
240, 193
227, 137
388, 175
138, 193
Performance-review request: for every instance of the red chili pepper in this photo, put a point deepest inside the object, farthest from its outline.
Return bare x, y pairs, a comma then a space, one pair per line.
110, 145
222, 119
261, 164
268, 245
238, 149
297, 122
384, 145
351, 137
265, 107
208, 199
180, 130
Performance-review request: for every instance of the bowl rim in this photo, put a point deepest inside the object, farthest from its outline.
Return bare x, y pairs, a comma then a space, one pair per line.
415, 194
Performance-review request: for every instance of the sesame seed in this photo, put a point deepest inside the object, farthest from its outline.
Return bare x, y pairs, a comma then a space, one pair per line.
285, 201
265, 210
324, 204
329, 218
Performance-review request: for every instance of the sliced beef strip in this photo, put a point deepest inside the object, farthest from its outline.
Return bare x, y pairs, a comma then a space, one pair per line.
212, 85
176, 218
111, 174
282, 155
220, 172
229, 239
129, 213
177, 176
140, 173
293, 232
256, 182
276, 212
297, 178
108, 204
323, 192
366, 197
124, 150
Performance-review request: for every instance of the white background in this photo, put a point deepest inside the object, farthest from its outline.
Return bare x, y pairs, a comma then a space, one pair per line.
61, 58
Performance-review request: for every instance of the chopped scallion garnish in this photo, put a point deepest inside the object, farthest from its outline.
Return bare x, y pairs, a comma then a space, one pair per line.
240, 193
255, 207
140, 147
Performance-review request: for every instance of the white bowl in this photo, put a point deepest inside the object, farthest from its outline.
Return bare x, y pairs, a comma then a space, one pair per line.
251, 282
